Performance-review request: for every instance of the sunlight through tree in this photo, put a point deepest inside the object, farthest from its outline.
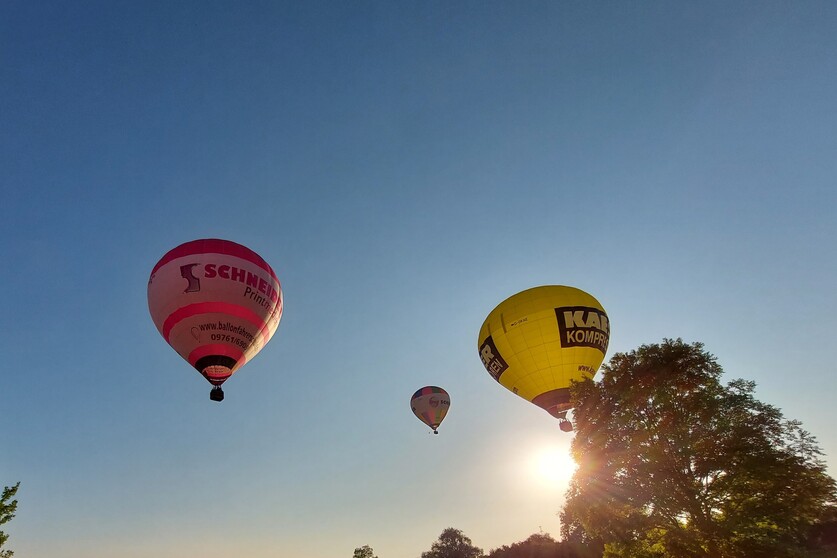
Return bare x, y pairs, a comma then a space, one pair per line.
672, 463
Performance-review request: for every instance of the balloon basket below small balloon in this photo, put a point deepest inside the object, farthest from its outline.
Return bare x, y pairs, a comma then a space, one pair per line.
217, 394
565, 425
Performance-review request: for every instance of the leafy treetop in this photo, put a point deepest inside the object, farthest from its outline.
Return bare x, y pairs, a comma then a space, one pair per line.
672, 463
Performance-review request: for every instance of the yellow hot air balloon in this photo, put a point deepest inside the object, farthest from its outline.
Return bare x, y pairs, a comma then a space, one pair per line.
537, 342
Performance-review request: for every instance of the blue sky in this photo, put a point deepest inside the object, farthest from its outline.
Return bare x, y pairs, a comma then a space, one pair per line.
403, 167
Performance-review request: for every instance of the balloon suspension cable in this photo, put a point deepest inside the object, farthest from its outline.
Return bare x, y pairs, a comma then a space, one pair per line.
216, 394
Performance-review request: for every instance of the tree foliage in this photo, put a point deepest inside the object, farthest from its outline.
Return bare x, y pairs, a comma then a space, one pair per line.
453, 543
672, 463
542, 545
7, 512
539, 545
364, 551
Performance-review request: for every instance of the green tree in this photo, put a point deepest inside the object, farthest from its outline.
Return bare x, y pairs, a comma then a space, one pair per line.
672, 463
539, 545
452, 543
542, 545
364, 551
7, 512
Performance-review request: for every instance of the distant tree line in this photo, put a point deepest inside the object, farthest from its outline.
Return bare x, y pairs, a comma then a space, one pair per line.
453, 543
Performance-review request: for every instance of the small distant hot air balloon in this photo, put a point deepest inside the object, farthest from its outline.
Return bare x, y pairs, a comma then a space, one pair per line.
430, 404
535, 343
217, 303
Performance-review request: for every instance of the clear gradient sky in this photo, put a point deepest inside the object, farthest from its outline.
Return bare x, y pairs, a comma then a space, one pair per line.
404, 167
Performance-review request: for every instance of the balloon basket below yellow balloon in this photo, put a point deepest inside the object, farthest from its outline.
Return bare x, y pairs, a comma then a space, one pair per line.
563, 422
217, 394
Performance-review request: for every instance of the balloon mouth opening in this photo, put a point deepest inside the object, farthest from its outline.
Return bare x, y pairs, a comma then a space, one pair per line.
216, 368
555, 402
216, 375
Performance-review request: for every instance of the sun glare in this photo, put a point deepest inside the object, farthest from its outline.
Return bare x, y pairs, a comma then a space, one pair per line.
553, 466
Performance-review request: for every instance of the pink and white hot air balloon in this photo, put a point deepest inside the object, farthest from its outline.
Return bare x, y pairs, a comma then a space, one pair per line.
430, 404
217, 303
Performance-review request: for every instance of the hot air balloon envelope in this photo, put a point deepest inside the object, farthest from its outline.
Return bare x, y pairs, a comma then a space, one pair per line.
535, 343
217, 303
430, 404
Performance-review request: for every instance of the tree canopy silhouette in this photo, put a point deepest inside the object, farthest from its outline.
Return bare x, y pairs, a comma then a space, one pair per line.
539, 545
364, 551
7, 512
452, 543
542, 545
672, 463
